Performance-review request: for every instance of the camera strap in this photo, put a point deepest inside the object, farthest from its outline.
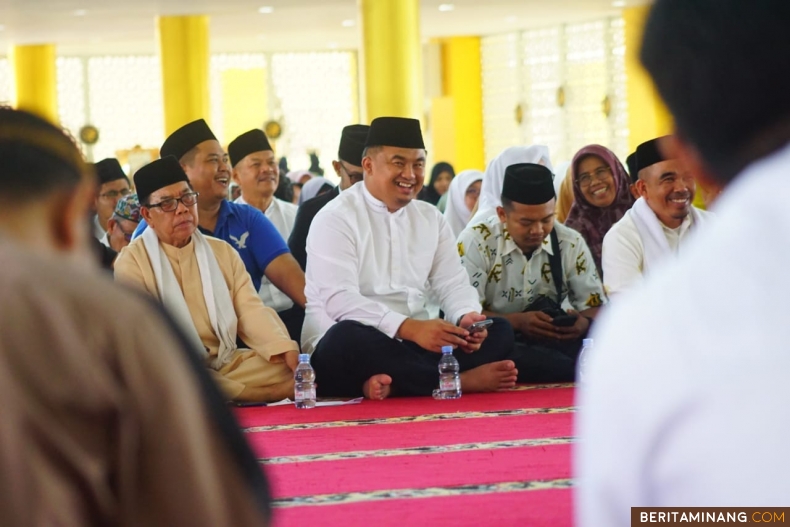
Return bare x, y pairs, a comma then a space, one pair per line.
555, 261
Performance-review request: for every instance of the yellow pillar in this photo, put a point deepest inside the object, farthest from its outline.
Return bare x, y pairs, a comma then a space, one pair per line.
35, 80
392, 58
647, 116
462, 81
184, 54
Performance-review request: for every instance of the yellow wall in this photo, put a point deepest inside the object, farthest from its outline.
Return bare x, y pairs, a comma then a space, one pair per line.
648, 118
392, 60
462, 81
35, 80
184, 53
244, 102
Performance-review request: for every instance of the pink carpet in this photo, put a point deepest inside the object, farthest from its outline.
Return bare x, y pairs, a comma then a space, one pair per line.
486, 459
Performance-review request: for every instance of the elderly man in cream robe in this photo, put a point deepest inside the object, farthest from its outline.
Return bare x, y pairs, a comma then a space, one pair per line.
204, 284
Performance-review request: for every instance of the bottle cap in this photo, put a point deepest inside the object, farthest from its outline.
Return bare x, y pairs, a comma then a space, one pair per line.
587, 342
447, 349
304, 357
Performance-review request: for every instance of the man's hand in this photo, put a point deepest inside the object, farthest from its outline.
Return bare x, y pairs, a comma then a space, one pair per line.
576, 331
432, 334
474, 340
292, 359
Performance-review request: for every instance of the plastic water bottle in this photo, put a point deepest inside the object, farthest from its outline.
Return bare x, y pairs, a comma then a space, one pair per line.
584, 356
304, 383
449, 376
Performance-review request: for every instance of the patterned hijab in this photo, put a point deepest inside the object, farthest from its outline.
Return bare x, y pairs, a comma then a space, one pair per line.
594, 222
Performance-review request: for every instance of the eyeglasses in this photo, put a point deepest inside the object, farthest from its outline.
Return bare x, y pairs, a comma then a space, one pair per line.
600, 173
171, 204
354, 177
127, 235
115, 194
472, 191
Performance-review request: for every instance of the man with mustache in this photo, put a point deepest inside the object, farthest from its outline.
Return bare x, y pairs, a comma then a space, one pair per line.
262, 249
256, 172
203, 283
658, 224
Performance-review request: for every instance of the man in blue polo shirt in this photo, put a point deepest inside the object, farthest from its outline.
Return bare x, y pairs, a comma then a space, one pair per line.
262, 249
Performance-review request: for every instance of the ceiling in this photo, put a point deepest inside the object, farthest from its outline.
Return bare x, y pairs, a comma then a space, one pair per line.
93, 27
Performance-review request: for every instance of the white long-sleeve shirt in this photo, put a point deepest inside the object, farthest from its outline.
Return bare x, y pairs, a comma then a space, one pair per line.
623, 251
282, 215
685, 399
376, 267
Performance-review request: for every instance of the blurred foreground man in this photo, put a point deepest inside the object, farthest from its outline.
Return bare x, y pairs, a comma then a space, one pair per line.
685, 396
99, 426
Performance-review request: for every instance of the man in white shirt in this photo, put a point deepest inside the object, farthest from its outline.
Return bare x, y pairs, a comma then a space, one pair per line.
515, 260
375, 255
685, 400
658, 224
256, 171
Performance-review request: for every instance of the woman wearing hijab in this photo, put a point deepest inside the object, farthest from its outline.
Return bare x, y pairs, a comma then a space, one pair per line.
601, 196
298, 179
491, 191
315, 187
462, 198
441, 176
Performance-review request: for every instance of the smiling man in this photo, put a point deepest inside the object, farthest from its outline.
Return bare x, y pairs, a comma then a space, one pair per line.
256, 172
658, 224
246, 229
375, 254
522, 262
203, 283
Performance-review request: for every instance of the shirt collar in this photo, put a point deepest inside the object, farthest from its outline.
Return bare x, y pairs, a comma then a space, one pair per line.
511, 246
375, 204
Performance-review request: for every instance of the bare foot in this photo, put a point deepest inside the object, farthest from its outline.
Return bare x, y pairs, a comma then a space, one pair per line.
492, 377
377, 387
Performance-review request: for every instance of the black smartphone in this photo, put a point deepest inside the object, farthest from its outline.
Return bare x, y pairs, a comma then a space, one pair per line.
479, 326
564, 321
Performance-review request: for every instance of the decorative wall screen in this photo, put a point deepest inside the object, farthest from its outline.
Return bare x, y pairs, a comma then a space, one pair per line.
71, 95
568, 82
125, 103
315, 96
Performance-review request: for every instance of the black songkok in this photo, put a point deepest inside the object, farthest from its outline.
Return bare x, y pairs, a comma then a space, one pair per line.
633, 171
352, 144
399, 132
158, 174
109, 170
648, 154
186, 138
247, 143
528, 184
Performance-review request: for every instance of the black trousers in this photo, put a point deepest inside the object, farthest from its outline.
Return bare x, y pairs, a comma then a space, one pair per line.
545, 362
293, 319
351, 353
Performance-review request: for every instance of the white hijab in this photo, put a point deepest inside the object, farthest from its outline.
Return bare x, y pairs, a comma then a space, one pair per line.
491, 192
456, 213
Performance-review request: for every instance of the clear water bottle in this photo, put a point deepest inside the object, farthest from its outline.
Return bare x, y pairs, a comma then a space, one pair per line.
449, 376
304, 383
584, 357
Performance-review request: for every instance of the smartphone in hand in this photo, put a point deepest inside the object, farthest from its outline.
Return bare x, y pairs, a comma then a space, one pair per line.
479, 326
